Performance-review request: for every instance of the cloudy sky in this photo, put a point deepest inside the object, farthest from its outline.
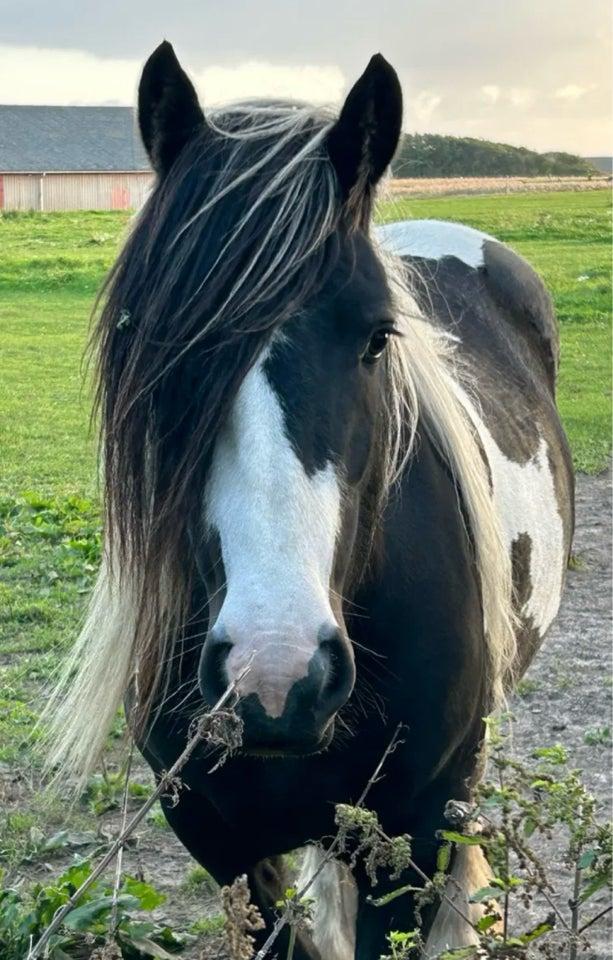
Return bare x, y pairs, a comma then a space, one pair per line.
532, 72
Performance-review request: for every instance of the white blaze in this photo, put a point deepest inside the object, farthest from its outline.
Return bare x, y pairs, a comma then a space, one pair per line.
278, 530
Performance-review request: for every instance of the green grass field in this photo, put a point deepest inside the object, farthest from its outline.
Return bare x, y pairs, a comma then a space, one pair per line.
50, 268
52, 265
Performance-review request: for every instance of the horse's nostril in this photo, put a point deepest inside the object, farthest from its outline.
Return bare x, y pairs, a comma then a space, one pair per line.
213, 676
340, 667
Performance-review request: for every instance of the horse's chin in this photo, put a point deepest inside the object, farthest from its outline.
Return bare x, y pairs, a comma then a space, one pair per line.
283, 752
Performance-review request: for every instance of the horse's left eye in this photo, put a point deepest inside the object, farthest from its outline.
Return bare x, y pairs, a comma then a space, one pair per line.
376, 345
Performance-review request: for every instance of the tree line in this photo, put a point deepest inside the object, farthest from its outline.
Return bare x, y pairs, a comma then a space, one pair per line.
434, 155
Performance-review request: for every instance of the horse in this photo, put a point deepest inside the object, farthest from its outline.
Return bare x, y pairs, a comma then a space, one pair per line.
335, 481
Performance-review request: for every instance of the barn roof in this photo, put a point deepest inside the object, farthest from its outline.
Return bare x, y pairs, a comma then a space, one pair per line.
40, 139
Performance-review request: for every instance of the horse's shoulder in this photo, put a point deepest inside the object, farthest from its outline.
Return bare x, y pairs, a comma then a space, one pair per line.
514, 286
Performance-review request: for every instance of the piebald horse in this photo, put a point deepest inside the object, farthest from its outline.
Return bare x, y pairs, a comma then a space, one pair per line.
331, 456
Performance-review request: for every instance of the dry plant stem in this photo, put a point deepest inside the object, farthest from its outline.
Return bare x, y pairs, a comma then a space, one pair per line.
595, 919
574, 914
165, 781
505, 920
292, 944
119, 865
282, 921
533, 878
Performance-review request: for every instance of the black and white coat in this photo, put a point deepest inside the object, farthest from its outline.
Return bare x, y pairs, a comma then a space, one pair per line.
420, 614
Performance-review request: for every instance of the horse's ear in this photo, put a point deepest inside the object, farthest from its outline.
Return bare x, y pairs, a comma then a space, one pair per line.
168, 108
362, 142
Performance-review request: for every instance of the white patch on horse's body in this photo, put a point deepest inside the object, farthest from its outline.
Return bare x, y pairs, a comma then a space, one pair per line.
335, 908
278, 529
524, 494
433, 239
525, 499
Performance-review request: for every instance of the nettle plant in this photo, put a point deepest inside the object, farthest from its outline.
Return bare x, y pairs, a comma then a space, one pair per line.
516, 814
107, 924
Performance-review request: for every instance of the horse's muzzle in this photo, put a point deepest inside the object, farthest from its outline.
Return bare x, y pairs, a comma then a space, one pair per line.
288, 693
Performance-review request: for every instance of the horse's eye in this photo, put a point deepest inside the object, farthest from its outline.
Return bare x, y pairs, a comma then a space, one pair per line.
376, 345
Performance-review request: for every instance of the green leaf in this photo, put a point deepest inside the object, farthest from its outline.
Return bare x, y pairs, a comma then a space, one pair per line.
69, 838
148, 897
556, 754
486, 922
529, 826
586, 859
462, 839
76, 874
537, 932
81, 918
140, 929
393, 895
443, 857
459, 953
147, 947
485, 893
171, 939
600, 880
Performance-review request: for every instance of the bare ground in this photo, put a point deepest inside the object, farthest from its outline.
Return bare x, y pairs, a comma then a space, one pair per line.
570, 680
566, 699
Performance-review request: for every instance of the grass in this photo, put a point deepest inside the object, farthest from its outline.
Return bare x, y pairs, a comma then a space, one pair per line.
52, 265
50, 269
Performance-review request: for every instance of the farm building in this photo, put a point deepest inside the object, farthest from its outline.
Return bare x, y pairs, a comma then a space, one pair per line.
71, 158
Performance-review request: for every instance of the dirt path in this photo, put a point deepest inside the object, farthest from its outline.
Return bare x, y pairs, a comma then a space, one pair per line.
568, 690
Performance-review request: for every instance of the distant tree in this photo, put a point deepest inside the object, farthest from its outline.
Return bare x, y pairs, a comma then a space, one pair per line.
434, 155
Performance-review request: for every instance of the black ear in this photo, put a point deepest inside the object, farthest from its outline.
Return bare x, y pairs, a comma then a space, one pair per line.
362, 142
168, 108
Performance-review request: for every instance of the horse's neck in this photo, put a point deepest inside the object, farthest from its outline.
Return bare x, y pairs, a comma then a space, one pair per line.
422, 576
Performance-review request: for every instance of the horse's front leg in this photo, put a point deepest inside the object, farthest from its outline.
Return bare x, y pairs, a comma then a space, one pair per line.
376, 919
444, 922
227, 856
268, 882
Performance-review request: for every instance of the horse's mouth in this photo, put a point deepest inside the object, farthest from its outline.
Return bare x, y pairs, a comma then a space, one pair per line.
289, 750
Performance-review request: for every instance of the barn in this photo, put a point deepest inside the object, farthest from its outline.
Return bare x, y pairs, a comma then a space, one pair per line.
71, 158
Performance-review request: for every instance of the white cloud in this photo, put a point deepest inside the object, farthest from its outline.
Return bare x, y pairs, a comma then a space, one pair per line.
490, 92
521, 97
50, 76
422, 105
573, 91
39, 75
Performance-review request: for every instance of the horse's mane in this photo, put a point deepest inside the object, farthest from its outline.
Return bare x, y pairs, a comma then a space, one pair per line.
232, 242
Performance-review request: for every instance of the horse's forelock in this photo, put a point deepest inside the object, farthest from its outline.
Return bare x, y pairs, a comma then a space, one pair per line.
230, 244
